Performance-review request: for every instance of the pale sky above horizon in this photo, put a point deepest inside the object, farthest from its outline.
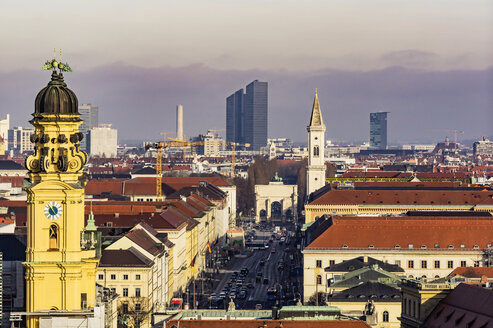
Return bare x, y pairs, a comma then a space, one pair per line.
254, 34
428, 62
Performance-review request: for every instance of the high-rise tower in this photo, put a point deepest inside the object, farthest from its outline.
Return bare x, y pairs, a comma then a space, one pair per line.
89, 115
60, 254
378, 130
315, 175
247, 117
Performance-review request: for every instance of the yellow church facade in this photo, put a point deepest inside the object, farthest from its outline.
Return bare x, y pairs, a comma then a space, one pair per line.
61, 259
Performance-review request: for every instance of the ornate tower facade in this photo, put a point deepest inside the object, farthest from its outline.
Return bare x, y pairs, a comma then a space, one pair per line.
60, 255
315, 172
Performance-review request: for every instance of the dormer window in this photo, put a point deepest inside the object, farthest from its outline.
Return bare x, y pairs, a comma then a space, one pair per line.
423, 246
450, 246
411, 246
397, 246
462, 246
344, 246
437, 245
371, 246
475, 247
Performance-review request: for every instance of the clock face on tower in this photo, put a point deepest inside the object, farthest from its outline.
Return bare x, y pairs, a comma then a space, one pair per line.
53, 210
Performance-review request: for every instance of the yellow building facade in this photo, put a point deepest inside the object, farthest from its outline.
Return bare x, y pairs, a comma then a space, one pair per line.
61, 258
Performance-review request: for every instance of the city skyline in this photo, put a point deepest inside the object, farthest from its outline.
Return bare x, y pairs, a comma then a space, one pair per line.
409, 63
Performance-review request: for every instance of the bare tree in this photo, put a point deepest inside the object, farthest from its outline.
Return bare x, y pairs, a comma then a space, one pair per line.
134, 311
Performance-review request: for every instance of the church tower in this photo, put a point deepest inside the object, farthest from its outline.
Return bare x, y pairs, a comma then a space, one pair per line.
315, 175
60, 255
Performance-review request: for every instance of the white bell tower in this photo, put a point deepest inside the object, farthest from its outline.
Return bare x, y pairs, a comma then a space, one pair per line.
315, 178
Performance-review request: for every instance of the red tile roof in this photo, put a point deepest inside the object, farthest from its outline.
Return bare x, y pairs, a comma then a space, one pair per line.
140, 186
473, 272
141, 238
96, 187
387, 232
186, 208
172, 219
179, 182
405, 197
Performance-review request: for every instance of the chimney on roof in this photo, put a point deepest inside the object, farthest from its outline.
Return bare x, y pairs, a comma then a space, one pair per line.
117, 215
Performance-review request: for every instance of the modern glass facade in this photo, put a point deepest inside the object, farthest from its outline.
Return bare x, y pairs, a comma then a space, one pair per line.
378, 130
246, 115
234, 117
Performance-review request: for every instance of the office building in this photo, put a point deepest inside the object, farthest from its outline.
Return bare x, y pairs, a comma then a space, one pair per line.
211, 144
246, 115
256, 114
89, 114
483, 147
234, 117
19, 140
378, 130
103, 141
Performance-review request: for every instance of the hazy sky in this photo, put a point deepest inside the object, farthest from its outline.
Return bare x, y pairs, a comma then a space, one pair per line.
227, 43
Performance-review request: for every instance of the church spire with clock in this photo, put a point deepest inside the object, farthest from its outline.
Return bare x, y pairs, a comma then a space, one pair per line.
60, 255
315, 173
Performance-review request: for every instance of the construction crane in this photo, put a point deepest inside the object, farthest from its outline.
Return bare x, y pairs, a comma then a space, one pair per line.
233, 152
184, 144
159, 146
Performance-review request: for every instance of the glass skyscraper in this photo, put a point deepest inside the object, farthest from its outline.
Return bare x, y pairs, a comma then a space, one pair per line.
378, 130
246, 115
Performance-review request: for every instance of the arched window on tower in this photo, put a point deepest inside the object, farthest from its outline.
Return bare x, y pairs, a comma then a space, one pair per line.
385, 316
53, 235
316, 151
319, 279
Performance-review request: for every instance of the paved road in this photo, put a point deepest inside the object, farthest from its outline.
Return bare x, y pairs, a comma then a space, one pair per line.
258, 295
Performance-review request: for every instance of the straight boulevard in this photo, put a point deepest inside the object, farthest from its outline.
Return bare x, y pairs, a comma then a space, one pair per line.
263, 273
